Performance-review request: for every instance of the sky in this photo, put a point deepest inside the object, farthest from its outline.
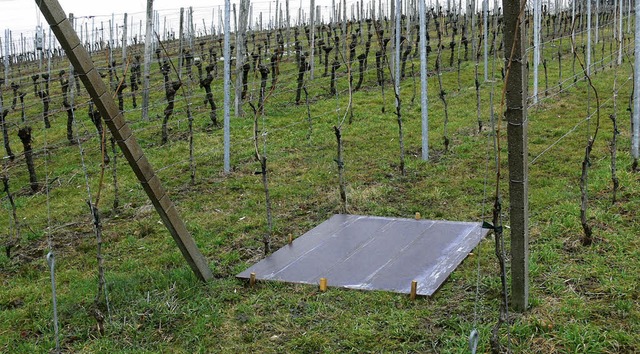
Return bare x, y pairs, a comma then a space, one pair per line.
23, 15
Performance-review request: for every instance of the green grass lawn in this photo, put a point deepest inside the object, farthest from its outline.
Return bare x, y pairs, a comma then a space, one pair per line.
583, 299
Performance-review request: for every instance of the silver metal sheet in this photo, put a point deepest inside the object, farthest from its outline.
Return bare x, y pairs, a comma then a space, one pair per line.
373, 253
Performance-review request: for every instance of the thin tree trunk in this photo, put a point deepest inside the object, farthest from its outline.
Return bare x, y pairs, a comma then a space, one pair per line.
13, 239
102, 291
5, 134
614, 150
587, 238
496, 345
114, 169
340, 162
25, 137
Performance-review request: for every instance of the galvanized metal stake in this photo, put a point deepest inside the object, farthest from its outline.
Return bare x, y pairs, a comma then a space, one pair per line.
620, 31
588, 37
635, 132
51, 263
536, 48
424, 100
312, 27
6, 54
398, 29
124, 44
181, 43
240, 54
227, 79
485, 36
147, 61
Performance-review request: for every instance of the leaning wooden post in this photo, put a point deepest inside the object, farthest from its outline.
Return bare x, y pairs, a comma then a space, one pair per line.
516, 115
108, 108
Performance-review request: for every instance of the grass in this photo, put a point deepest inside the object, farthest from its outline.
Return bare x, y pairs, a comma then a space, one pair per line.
583, 299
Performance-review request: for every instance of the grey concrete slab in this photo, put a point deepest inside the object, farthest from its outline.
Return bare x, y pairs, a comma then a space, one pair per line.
373, 253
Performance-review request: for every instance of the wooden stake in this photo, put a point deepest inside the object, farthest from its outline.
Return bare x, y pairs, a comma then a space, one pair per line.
125, 138
418, 216
252, 280
290, 238
323, 284
516, 95
414, 289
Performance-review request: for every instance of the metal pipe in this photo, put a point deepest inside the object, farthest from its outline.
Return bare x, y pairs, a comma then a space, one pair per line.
227, 79
635, 132
423, 82
485, 37
588, 37
536, 48
147, 61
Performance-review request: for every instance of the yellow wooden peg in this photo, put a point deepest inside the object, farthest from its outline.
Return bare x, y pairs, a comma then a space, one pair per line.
290, 238
252, 279
323, 284
414, 290
418, 216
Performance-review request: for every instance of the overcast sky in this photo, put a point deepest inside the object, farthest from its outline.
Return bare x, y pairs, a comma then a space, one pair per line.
23, 15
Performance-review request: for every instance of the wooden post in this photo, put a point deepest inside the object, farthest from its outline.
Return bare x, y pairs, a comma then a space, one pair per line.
252, 280
323, 284
414, 290
516, 115
121, 132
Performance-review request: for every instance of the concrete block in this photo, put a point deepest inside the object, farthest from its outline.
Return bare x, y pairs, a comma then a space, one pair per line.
52, 11
65, 34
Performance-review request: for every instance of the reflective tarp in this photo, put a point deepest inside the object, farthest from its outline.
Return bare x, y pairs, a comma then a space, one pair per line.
373, 253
